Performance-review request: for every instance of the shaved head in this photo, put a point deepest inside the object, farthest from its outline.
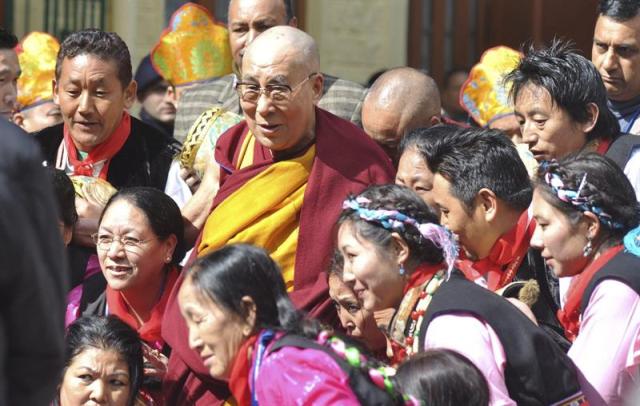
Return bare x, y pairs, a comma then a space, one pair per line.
286, 59
400, 100
285, 44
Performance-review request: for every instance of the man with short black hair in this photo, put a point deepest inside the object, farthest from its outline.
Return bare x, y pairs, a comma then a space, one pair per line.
556, 116
482, 190
98, 138
248, 19
9, 73
616, 54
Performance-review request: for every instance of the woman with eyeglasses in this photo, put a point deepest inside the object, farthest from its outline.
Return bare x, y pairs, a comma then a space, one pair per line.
140, 242
587, 229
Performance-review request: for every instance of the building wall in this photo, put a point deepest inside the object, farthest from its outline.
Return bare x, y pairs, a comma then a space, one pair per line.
139, 23
358, 37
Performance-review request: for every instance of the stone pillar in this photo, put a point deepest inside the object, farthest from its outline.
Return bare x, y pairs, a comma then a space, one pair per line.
359, 37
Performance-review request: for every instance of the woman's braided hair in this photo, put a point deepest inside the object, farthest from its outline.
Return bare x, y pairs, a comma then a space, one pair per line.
594, 183
402, 199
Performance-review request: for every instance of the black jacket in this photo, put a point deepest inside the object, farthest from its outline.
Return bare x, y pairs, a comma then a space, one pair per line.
144, 159
537, 370
33, 280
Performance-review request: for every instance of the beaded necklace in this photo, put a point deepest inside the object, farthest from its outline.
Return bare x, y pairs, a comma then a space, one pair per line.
405, 325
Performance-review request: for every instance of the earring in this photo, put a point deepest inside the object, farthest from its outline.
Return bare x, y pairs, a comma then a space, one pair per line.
167, 259
588, 249
401, 271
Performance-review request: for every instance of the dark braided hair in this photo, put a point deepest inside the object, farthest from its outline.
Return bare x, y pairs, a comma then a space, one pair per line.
606, 187
404, 200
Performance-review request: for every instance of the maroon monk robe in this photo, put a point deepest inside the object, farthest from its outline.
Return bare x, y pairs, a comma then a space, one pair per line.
347, 161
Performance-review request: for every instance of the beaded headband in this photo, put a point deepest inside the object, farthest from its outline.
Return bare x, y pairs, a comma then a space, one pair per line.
395, 220
574, 197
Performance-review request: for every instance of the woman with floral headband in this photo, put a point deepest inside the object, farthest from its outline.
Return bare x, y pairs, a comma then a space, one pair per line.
587, 214
397, 257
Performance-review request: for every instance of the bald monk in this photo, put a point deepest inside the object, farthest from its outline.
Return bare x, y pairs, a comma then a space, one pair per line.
400, 100
284, 172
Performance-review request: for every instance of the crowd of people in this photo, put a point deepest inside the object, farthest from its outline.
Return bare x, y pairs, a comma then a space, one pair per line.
265, 233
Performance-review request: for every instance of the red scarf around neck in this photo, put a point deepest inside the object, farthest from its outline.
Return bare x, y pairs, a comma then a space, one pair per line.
149, 331
102, 152
239, 377
505, 257
423, 273
569, 315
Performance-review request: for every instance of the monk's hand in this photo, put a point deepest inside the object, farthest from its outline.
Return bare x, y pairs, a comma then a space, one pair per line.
155, 363
191, 178
88, 208
211, 175
89, 212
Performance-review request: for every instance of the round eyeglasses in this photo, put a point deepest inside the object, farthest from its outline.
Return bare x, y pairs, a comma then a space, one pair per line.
130, 244
279, 94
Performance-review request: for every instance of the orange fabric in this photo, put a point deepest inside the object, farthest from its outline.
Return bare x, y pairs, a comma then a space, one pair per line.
272, 221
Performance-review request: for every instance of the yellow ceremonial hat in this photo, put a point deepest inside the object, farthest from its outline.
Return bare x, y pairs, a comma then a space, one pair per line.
484, 95
37, 55
193, 48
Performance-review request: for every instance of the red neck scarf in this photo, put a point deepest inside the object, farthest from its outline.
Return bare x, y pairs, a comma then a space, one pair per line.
423, 273
506, 255
603, 145
102, 152
569, 315
239, 377
149, 331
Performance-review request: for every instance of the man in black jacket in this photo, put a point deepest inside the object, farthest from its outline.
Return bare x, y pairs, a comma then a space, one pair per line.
33, 280
98, 138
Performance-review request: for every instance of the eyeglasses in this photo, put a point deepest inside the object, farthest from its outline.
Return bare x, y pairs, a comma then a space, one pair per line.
130, 244
279, 94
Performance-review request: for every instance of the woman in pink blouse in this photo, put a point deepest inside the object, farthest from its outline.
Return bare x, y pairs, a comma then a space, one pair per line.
587, 214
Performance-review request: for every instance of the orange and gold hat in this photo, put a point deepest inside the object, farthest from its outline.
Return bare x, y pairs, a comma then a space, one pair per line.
37, 54
193, 48
484, 95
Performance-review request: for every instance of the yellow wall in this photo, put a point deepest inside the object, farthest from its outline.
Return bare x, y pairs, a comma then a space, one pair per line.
359, 37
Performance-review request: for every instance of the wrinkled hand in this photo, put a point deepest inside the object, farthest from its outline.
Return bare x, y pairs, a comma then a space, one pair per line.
191, 178
155, 362
88, 208
89, 212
